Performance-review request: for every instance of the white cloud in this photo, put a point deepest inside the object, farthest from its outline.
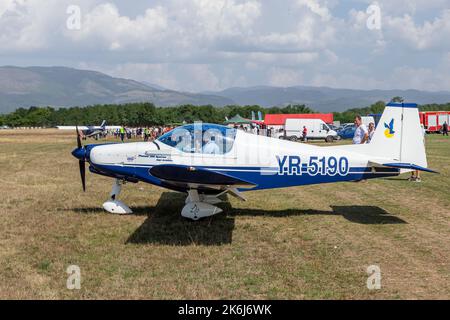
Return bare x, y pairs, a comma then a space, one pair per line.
430, 34
197, 24
400, 27
421, 78
281, 77
221, 17
207, 45
315, 7
105, 26
401, 7
22, 26
6, 5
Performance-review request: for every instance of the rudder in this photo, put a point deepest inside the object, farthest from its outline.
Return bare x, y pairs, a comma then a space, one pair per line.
399, 135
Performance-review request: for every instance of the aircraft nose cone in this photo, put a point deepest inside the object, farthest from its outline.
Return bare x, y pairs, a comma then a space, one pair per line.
79, 153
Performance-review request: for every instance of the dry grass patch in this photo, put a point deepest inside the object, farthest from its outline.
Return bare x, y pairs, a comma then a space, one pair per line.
307, 242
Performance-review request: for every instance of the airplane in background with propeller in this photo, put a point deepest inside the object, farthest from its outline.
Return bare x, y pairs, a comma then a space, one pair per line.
206, 161
94, 131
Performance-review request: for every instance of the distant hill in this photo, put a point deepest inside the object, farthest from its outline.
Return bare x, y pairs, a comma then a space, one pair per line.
153, 85
325, 99
66, 87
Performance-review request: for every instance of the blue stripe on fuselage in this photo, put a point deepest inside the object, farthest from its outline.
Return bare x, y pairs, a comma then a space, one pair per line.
264, 178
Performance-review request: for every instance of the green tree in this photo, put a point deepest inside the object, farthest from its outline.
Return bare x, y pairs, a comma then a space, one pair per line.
397, 99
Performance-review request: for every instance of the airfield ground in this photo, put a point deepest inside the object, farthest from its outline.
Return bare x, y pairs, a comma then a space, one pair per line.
298, 243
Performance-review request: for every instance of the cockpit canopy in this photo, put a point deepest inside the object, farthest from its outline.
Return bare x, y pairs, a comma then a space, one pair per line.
201, 138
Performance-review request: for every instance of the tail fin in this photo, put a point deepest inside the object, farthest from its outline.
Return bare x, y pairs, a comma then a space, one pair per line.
103, 125
399, 136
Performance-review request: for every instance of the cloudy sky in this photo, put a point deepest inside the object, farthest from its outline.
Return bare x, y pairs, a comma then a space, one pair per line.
204, 45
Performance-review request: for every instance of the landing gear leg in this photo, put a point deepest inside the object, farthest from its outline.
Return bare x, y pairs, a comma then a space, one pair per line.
113, 205
196, 208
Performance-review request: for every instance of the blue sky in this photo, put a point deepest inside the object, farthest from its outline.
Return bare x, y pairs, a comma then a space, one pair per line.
206, 45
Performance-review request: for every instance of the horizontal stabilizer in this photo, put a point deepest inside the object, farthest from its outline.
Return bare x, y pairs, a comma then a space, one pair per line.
401, 165
408, 166
193, 177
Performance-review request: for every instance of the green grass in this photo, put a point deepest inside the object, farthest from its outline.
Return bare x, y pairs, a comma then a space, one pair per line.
312, 242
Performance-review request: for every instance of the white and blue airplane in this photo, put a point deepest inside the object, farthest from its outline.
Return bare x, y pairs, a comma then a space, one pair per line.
206, 161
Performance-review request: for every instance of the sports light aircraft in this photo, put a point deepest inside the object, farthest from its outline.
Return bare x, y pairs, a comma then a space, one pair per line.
206, 161
94, 131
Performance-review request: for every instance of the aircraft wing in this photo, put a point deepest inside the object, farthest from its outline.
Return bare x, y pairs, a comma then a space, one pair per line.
93, 133
198, 178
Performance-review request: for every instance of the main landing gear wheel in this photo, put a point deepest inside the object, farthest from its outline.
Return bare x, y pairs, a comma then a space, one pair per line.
196, 207
113, 205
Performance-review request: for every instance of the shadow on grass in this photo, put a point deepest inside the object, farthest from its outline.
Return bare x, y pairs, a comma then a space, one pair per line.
403, 179
356, 214
137, 211
165, 225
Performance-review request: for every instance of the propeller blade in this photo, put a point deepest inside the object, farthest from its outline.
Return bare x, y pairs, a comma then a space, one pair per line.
78, 138
81, 163
82, 174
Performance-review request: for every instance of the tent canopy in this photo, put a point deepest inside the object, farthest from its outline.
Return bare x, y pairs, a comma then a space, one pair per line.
238, 119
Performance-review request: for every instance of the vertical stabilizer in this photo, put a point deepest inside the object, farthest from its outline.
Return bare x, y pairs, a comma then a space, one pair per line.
399, 135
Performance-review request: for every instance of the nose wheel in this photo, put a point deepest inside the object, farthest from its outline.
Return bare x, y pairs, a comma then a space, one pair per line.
113, 205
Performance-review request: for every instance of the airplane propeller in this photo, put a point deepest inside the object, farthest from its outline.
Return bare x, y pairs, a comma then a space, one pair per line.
80, 153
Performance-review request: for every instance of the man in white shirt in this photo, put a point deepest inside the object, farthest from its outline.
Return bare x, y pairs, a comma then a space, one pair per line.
211, 147
361, 133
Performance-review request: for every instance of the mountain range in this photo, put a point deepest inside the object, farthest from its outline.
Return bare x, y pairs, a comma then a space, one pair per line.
66, 87
325, 99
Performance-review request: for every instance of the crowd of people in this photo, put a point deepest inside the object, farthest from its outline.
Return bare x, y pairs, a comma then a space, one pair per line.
152, 133
144, 133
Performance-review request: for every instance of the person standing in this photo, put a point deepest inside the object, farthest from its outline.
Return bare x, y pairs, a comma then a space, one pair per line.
445, 129
305, 134
371, 131
361, 133
415, 175
122, 132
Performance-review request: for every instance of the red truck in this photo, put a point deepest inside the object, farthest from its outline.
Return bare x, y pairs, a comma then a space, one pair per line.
433, 120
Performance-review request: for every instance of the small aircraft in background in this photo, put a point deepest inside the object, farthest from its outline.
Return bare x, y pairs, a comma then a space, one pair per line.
95, 132
206, 161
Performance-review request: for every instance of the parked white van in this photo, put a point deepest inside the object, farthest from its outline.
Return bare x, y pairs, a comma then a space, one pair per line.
317, 129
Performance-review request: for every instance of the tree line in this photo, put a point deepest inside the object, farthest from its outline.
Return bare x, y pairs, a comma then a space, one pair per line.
134, 114
147, 114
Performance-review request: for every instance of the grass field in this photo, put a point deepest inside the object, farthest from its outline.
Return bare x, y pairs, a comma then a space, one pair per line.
312, 242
